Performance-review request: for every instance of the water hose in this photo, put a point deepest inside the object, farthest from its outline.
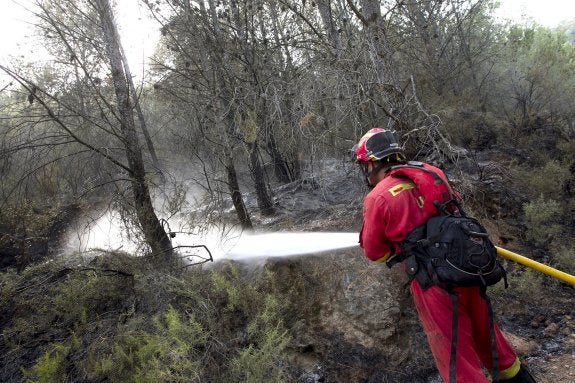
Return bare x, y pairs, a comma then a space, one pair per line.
536, 265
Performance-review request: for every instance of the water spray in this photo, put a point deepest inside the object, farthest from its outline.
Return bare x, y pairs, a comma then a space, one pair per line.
248, 246
281, 244
288, 243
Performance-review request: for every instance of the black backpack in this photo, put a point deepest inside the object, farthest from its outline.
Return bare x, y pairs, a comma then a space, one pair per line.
452, 250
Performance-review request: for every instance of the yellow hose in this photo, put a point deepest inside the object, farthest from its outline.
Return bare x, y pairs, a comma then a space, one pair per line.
536, 265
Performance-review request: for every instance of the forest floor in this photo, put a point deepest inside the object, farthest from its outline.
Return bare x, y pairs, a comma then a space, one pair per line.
536, 311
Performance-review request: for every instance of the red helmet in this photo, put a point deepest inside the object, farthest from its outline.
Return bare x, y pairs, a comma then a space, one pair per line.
376, 144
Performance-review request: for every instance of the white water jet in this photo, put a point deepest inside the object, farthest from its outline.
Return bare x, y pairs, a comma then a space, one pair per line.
108, 233
281, 244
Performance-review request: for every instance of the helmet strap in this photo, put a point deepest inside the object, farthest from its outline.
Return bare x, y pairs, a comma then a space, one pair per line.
367, 174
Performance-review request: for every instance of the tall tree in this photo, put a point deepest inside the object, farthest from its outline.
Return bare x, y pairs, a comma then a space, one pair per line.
156, 236
97, 113
212, 68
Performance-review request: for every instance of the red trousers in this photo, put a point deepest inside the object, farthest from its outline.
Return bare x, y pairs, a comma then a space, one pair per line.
473, 337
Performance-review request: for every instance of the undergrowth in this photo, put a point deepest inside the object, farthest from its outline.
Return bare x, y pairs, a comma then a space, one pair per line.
117, 320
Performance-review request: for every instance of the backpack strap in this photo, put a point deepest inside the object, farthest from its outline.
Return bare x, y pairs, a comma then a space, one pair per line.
419, 166
450, 199
494, 353
454, 325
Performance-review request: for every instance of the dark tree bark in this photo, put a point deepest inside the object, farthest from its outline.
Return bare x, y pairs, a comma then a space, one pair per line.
154, 234
235, 193
285, 171
265, 202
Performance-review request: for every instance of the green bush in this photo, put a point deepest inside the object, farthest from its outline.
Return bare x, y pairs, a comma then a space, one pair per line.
165, 350
542, 217
50, 367
130, 326
547, 180
526, 283
565, 259
258, 362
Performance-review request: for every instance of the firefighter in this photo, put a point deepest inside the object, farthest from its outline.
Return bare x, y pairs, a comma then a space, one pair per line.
391, 210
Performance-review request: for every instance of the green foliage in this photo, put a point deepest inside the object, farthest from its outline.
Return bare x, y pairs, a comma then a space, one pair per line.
23, 221
537, 86
542, 216
50, 367
526, 283
166, 351
172, 346
183, 328
468, 128
547, 180
564, 259
226, 286
259, 361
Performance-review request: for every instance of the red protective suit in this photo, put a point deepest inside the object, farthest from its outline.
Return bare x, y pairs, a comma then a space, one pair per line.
391, 211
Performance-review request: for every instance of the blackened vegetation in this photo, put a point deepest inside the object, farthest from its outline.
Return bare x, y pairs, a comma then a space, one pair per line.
29, 235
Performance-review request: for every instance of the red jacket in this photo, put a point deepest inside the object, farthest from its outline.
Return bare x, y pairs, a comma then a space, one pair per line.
392, 210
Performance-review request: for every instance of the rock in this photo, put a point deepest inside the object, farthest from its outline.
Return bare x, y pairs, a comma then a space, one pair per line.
552, 330
350, 318
569, 323
521, 345
536, 322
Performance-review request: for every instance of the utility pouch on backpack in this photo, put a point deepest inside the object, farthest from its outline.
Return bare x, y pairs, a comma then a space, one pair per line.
454, 251
414, 269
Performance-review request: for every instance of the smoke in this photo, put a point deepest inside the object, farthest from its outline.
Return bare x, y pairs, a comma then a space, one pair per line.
195, 235
104, 231
108, 233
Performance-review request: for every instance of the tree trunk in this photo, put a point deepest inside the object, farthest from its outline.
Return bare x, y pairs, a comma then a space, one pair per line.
324, 9
235, 193
154, 234
141, 118
282, 170
265, 202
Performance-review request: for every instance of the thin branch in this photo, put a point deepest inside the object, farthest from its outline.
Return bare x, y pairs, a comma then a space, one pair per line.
29, 85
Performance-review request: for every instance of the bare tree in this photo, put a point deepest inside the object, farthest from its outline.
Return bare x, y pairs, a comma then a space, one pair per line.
155, 235
102, 120
213, 68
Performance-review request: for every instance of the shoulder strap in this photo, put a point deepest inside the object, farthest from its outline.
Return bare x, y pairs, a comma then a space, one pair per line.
421, 166
450, 198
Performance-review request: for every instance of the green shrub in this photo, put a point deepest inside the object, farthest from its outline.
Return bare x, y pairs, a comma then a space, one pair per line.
258, 362
526, 283
133, 327
50, 367
542, 217
164, 350
547, 180
259, 359
229, 287
565, 259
